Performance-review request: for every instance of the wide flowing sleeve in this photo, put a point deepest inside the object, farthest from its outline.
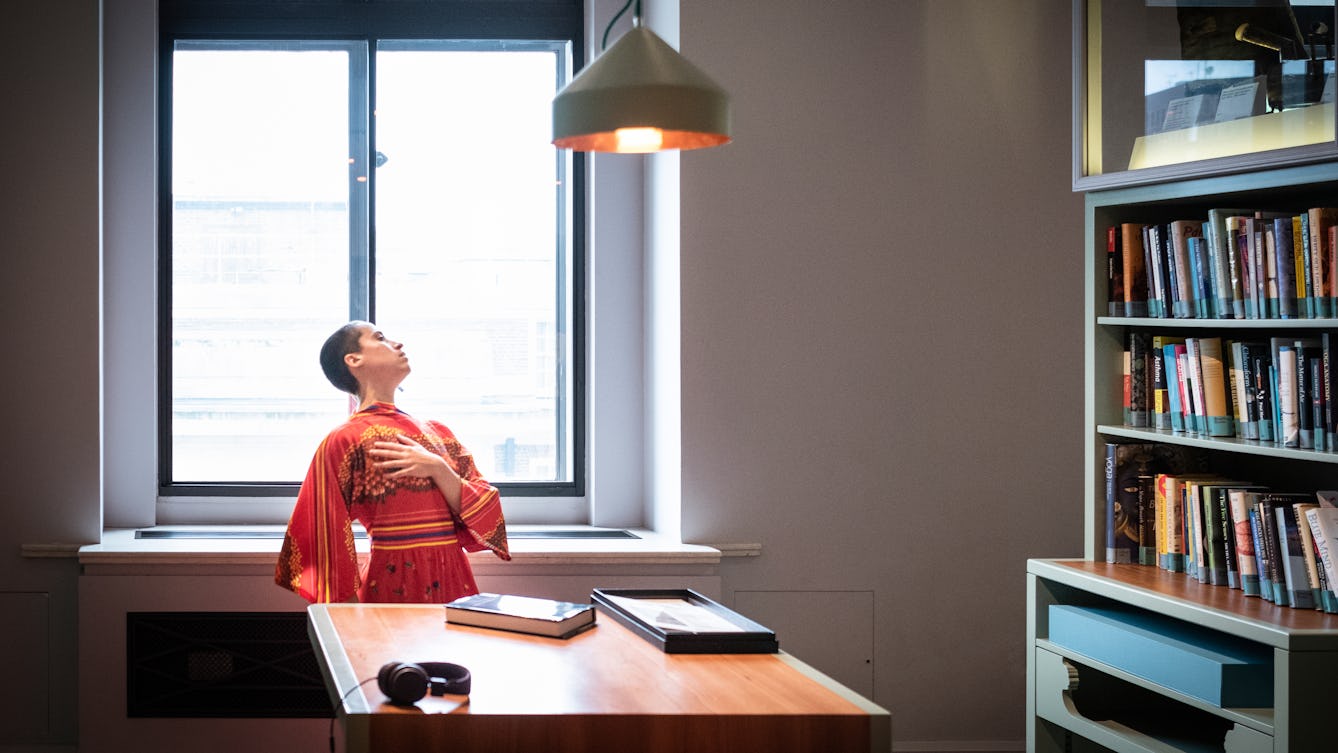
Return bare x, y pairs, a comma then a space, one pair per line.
480, 524
318, 560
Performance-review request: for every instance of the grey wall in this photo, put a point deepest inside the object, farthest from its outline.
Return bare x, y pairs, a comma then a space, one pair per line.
49, 303
882, 294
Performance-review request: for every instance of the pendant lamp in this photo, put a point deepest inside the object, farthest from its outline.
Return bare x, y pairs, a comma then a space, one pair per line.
640, 96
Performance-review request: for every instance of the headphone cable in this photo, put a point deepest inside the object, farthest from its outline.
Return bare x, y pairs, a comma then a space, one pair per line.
343, 698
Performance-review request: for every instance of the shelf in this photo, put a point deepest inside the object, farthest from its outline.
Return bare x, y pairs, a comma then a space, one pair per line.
1225, 444
1259, 719
1215, 607
1269, 324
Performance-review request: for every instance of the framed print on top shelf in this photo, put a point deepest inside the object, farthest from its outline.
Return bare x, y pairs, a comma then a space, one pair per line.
1169, 89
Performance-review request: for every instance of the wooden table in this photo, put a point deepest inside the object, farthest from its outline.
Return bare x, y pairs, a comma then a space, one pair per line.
606, 689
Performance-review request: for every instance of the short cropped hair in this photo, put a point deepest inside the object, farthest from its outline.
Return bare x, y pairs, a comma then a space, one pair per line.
345, 340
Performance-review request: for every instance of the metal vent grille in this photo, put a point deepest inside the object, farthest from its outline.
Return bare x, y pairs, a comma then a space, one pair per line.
222, 664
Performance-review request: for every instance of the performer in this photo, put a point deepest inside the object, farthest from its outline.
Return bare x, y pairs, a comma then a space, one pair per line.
411, 484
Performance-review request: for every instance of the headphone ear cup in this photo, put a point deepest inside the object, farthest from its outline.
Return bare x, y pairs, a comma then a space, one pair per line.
403, 683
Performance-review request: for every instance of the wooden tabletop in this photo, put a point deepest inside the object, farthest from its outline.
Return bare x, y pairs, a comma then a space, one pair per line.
604, 689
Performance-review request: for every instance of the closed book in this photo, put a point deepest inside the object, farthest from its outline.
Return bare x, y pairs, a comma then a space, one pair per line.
1306, 348
1237, 267
1247, 562
1200, 271
1245, 407
1324, 528
1140, 346
1261, 555
1329, 380
1266, 505
1284, 359
1291, 557
1114, 272
1218, 421
1321, 220
1154, 237
1172, 371
1194, 367
1224, 265
1284, 261
1333, 269
1185, 278
1134, 270
1298, 270
1260, 357
521, 614
1314, 570
1314, 382
1124, 463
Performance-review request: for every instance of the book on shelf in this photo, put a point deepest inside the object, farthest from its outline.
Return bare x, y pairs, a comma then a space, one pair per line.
1323, 523
1217, 417
1320, 221
1134, 275
521, 614
1171, 372
1319, 584
1140, 346
1262, 551
1114, 272
1328, 382
1131, 470
1247, 559
1291, 555
1225, 261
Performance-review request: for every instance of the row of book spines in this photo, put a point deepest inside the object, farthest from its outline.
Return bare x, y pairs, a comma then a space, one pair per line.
1281, 391
1241, 536
1239, 264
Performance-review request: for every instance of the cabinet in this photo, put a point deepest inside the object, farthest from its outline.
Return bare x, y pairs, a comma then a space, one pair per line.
1077, 703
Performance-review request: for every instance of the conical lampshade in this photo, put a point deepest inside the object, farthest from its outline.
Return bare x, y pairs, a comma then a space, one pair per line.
640, 96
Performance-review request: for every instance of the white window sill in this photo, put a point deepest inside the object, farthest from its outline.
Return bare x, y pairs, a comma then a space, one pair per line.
120, 552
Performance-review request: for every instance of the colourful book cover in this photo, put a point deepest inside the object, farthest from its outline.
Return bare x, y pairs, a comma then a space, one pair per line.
1240, 396
1194, 368
1185, 285
1239, 266
1321, 221
1114, 272
1328, 381
1173, 383
1266, 506
1316, 373
1134, 272
1324, 529
1314, 572
1140, 347
1284, 259
1225, 264
1291, 556
1247, 562
1261, 360
1301, 274
1217, 417
1284, 359
1260, 555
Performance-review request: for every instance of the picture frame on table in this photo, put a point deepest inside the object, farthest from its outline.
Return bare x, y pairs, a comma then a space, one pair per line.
683, 621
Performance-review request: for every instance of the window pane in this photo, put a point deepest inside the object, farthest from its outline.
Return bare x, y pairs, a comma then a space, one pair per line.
470, 269
260, 257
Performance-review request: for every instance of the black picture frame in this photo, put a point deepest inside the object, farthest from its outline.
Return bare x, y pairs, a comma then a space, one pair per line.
751, 638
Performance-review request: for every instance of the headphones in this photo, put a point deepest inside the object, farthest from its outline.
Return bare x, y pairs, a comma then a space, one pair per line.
404, 682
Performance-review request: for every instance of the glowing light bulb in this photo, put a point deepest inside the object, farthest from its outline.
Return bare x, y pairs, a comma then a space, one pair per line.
639, 139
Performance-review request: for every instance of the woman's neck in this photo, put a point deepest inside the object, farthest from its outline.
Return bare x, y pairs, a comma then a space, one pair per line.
376, 395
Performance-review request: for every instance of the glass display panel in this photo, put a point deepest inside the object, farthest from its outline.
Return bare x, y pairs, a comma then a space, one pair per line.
1191, 87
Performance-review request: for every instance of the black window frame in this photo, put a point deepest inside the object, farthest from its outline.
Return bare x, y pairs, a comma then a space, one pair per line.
367, 21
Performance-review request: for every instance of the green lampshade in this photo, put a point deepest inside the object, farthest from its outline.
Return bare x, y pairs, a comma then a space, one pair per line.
640, 96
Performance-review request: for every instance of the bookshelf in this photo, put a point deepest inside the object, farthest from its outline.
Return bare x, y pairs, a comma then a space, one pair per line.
1078, 703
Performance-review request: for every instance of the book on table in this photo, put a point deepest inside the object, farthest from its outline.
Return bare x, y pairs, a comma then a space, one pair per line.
521, 614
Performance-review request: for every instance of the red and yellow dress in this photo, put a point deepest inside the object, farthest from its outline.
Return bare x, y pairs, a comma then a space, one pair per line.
418, 546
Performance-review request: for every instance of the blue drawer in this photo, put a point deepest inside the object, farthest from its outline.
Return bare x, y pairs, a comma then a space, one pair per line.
1217, 668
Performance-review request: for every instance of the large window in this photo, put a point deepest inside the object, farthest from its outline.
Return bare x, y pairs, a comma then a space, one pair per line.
367, 172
